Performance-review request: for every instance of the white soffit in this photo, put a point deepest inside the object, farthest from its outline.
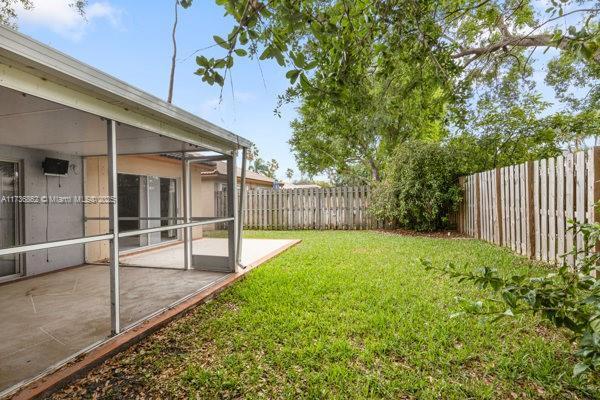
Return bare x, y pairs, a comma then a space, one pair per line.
28, 121
30, 67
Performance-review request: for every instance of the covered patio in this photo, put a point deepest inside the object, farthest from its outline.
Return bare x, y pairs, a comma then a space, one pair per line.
70, 137
47, 319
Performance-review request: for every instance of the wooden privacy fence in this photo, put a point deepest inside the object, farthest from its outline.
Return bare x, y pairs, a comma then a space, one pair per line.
526, 207
308, 208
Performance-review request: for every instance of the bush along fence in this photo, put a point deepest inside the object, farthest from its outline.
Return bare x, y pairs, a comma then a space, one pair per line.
308, 208
527, 207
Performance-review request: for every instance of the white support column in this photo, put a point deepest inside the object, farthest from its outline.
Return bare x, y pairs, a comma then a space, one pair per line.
187, 237
232, 211
241, 207
113, 213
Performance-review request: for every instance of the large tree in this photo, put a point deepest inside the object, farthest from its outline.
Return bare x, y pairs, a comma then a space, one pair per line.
336, 35
370, 74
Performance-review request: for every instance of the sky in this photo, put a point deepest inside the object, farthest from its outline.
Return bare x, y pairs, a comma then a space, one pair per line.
131, 40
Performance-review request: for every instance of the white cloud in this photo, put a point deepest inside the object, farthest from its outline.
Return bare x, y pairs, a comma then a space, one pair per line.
60, 17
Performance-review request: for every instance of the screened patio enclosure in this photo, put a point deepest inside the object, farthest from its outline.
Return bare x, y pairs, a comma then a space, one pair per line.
92, 171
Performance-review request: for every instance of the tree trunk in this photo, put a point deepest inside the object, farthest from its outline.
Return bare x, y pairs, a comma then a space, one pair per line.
174, 58
375, 175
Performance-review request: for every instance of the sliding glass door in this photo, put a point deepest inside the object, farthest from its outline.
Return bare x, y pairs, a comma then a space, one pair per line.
143, 203
9, 220
168, 206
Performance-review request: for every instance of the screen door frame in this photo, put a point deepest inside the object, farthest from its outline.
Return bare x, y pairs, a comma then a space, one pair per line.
19, 232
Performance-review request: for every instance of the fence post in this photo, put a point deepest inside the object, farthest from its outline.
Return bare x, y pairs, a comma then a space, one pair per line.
530, 244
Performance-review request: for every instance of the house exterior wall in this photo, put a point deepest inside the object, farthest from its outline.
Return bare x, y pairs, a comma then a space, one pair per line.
96, 184
206, 199
58, 221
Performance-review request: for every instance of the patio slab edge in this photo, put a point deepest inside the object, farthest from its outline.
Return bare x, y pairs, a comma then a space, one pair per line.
82, 363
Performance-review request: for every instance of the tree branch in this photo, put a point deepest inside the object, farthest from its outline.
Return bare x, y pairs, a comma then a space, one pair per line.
509, 40
544, 40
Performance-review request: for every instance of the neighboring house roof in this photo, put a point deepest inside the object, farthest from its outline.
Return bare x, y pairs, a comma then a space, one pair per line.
47, 63
289, 185
219, 168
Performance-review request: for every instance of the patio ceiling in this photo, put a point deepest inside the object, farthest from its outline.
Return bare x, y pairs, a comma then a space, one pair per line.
28, 121
28, 66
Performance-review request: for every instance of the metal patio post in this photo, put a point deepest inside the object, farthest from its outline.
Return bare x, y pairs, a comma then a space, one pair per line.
186, 211
242, 204
113, 213
232, 210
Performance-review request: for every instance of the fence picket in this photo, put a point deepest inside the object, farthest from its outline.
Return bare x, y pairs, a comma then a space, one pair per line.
560, 208
569, 206
544, 209
552, 210
513, 209
581, 188
502, 206
523, 208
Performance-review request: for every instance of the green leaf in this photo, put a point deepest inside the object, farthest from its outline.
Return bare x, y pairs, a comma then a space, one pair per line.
580, 368
292, 75
243, 37
311, 65
219, 79
595, 324
232, 34
202, 61
279, 57
208, 79
299, 60
221, 42
304, 82
241, 52
265, 54
586, 51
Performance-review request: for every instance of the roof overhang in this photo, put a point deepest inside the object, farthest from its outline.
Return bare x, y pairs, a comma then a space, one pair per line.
31, 67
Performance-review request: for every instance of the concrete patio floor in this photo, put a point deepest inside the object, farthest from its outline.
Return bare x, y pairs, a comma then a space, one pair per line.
47, 319
172, 256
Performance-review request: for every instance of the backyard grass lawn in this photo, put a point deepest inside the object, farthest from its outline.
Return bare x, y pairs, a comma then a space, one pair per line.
347, 315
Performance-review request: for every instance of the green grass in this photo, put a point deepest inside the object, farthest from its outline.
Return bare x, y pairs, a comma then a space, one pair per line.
348, 315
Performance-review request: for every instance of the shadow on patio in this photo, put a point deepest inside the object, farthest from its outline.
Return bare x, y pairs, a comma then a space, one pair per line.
48, 319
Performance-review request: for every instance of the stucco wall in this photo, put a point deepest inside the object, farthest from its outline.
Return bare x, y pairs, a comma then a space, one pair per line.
60, 221
96, 184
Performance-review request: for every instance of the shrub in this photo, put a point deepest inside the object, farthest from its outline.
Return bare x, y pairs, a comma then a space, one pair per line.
420, 187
